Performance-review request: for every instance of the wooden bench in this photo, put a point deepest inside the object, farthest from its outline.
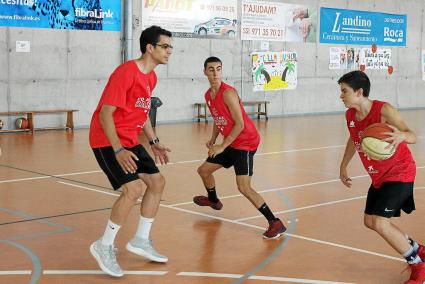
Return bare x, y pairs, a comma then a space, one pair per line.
202, 109
30, 118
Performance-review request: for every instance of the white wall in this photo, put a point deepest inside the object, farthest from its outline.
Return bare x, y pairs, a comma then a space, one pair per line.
68, 69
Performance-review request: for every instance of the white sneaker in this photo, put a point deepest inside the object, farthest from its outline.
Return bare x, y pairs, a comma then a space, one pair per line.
106, 258
145, 248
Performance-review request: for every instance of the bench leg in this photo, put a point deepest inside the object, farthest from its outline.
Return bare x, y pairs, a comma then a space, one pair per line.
265, 111
205, 113
30, 122
69, 121
199, 113
258, 110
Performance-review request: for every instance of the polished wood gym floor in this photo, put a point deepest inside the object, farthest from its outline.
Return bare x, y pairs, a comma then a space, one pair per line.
55, 201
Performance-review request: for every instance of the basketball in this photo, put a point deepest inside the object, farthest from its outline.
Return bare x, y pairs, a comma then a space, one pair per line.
372, 143
21, 123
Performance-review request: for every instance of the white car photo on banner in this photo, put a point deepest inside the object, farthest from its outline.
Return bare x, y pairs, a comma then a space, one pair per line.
200, 18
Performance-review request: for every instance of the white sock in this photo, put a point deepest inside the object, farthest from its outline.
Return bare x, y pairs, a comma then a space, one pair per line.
411, 256
144, 227
110, 233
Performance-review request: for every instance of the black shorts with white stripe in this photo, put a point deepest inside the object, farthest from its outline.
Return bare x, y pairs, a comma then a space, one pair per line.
241, 160
105, 156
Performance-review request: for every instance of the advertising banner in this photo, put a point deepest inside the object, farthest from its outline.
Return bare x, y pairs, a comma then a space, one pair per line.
66, 14
342, 26
274, 21
274, 70
189, 18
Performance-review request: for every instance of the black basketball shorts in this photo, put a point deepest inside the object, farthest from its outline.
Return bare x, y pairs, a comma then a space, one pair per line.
388, 200
105, 156
241, 160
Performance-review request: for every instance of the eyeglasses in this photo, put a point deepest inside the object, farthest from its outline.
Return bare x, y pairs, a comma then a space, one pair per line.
165, 46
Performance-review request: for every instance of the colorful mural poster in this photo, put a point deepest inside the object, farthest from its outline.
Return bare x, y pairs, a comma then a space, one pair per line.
188, 18
69, 15
351, 58
274, 21
342, 26
423, 64
274, 70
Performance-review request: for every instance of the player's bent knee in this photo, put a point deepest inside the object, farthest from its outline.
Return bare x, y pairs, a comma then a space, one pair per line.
245, 190
133, 192
203, 172
158, 182
380, 225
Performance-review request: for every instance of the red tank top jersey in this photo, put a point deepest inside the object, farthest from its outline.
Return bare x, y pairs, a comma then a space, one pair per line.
130, 91
400, 167
249, 138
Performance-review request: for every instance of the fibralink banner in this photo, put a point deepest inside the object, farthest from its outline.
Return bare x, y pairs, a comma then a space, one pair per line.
342, 26
65, 14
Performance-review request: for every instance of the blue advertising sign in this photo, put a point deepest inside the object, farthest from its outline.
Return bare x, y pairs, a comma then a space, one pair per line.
342, 26
65, 14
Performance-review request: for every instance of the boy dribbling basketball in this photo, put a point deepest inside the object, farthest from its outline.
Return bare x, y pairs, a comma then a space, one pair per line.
392, 179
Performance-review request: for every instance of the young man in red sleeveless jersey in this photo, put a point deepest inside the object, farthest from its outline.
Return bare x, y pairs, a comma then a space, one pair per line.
237, 149
120, 117
392, 179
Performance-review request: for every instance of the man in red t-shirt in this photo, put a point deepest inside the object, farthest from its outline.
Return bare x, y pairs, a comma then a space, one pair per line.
237, 149
392, 179
120, 117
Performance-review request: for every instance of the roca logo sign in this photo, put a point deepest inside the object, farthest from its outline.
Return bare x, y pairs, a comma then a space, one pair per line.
393, 35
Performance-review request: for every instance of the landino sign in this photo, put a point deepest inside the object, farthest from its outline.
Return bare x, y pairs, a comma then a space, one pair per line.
341, 26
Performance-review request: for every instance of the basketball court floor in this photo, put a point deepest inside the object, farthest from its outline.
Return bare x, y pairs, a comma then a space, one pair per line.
55, 201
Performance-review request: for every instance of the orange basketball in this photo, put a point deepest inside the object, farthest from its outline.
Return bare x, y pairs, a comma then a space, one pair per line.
372, 143
21, 123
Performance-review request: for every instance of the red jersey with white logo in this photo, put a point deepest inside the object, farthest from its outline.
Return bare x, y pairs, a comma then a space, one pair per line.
249, 138
400, 167
129, 90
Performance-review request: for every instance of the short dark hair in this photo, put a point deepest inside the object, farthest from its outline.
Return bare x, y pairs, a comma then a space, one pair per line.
356, 80
151, 36
211, 59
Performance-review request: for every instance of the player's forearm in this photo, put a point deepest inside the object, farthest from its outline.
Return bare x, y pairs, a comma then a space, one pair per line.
148, 130
236, 130
215, 133
108, 125
349, 152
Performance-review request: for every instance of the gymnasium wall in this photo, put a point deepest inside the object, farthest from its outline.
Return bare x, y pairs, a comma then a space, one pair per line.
68, 69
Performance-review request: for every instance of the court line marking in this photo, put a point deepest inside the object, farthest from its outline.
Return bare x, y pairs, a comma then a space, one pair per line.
305, 207
172, 163
16, 272
257, 227
282, 188
265, 278
183, 273
50, 176
276, 189
313, 206
91, 272
35, 261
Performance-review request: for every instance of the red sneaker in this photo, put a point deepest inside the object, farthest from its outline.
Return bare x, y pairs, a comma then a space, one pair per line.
275, 230
418, 274
421, 252
204, 201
